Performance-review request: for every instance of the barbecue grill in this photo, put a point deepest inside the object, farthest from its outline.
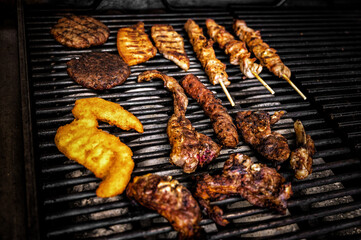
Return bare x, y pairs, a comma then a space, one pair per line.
320, 46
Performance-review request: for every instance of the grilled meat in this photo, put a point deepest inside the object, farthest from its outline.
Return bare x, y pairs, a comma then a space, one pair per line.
170, 44
263, 52
213, 67
222, 122
80, 32
301, 158
134, 45
170, 199
255, 128
262, 186
190, 149
98, 71
237, 50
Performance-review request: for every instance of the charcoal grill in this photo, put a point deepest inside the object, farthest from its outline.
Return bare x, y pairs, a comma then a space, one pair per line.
321, 47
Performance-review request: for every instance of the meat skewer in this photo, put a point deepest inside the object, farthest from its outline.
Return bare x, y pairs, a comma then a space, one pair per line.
260, 185
170, 44
301, 158
264, 53
222, 122
214, 68
255, 128
190, 149
237, 50
171, 200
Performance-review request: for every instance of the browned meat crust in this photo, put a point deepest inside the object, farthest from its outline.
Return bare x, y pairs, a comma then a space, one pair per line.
98, 70
170, 199
222, 122
134, 45
190, 149
301, 158
255, 128
80, 32
170, 44
261, 185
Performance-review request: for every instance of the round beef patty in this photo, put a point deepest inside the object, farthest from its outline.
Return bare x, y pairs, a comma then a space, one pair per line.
98, 70
80, 31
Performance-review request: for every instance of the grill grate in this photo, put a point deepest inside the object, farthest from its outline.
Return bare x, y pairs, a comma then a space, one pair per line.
319, 47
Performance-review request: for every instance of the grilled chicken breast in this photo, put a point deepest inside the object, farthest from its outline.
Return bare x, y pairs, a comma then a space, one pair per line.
134, 45
170, 44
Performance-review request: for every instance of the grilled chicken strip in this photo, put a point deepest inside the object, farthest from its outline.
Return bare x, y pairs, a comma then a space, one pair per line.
263, 52
190, 149
262, 186
170, 199
236, 49
222, 122
301, 158
255, 128
134, 45
213, 67
170, 44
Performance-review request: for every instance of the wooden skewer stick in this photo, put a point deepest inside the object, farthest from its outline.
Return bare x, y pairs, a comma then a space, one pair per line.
263, 83
227, 93
294, 87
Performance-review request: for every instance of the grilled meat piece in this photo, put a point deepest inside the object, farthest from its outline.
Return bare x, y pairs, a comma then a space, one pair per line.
134, 45
301, 158
170, 44
170, 199
263, 52
222, 122
190, 149
237, 50
98, 71
80, 32
255, 128
262, 186
213, 67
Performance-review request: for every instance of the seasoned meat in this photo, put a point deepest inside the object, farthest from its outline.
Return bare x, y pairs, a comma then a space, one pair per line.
301, 158
222, 122
170, 44
134, 45
170, 199
255, 128
260, 185
98, 70
190, 149
213, 67
80, 32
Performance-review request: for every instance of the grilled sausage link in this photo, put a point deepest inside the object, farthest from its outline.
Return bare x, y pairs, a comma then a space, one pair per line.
222, 122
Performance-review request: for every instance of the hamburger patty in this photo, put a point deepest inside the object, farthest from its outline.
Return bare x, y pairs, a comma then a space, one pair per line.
98, 70
80, 31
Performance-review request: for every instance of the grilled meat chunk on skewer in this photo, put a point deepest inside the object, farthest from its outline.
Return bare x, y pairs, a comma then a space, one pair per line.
134, 45
190, 149
213, 67
301, 158
222, 122
255, 128
170, 44
237, 50
170, 199
260, 185
263, 52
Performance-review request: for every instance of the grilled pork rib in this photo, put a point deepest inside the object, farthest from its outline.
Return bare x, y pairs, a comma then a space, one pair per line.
190, 149
170, 44
260, 185
301, 158
134, 45
255, 128
222, 122
170, 199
